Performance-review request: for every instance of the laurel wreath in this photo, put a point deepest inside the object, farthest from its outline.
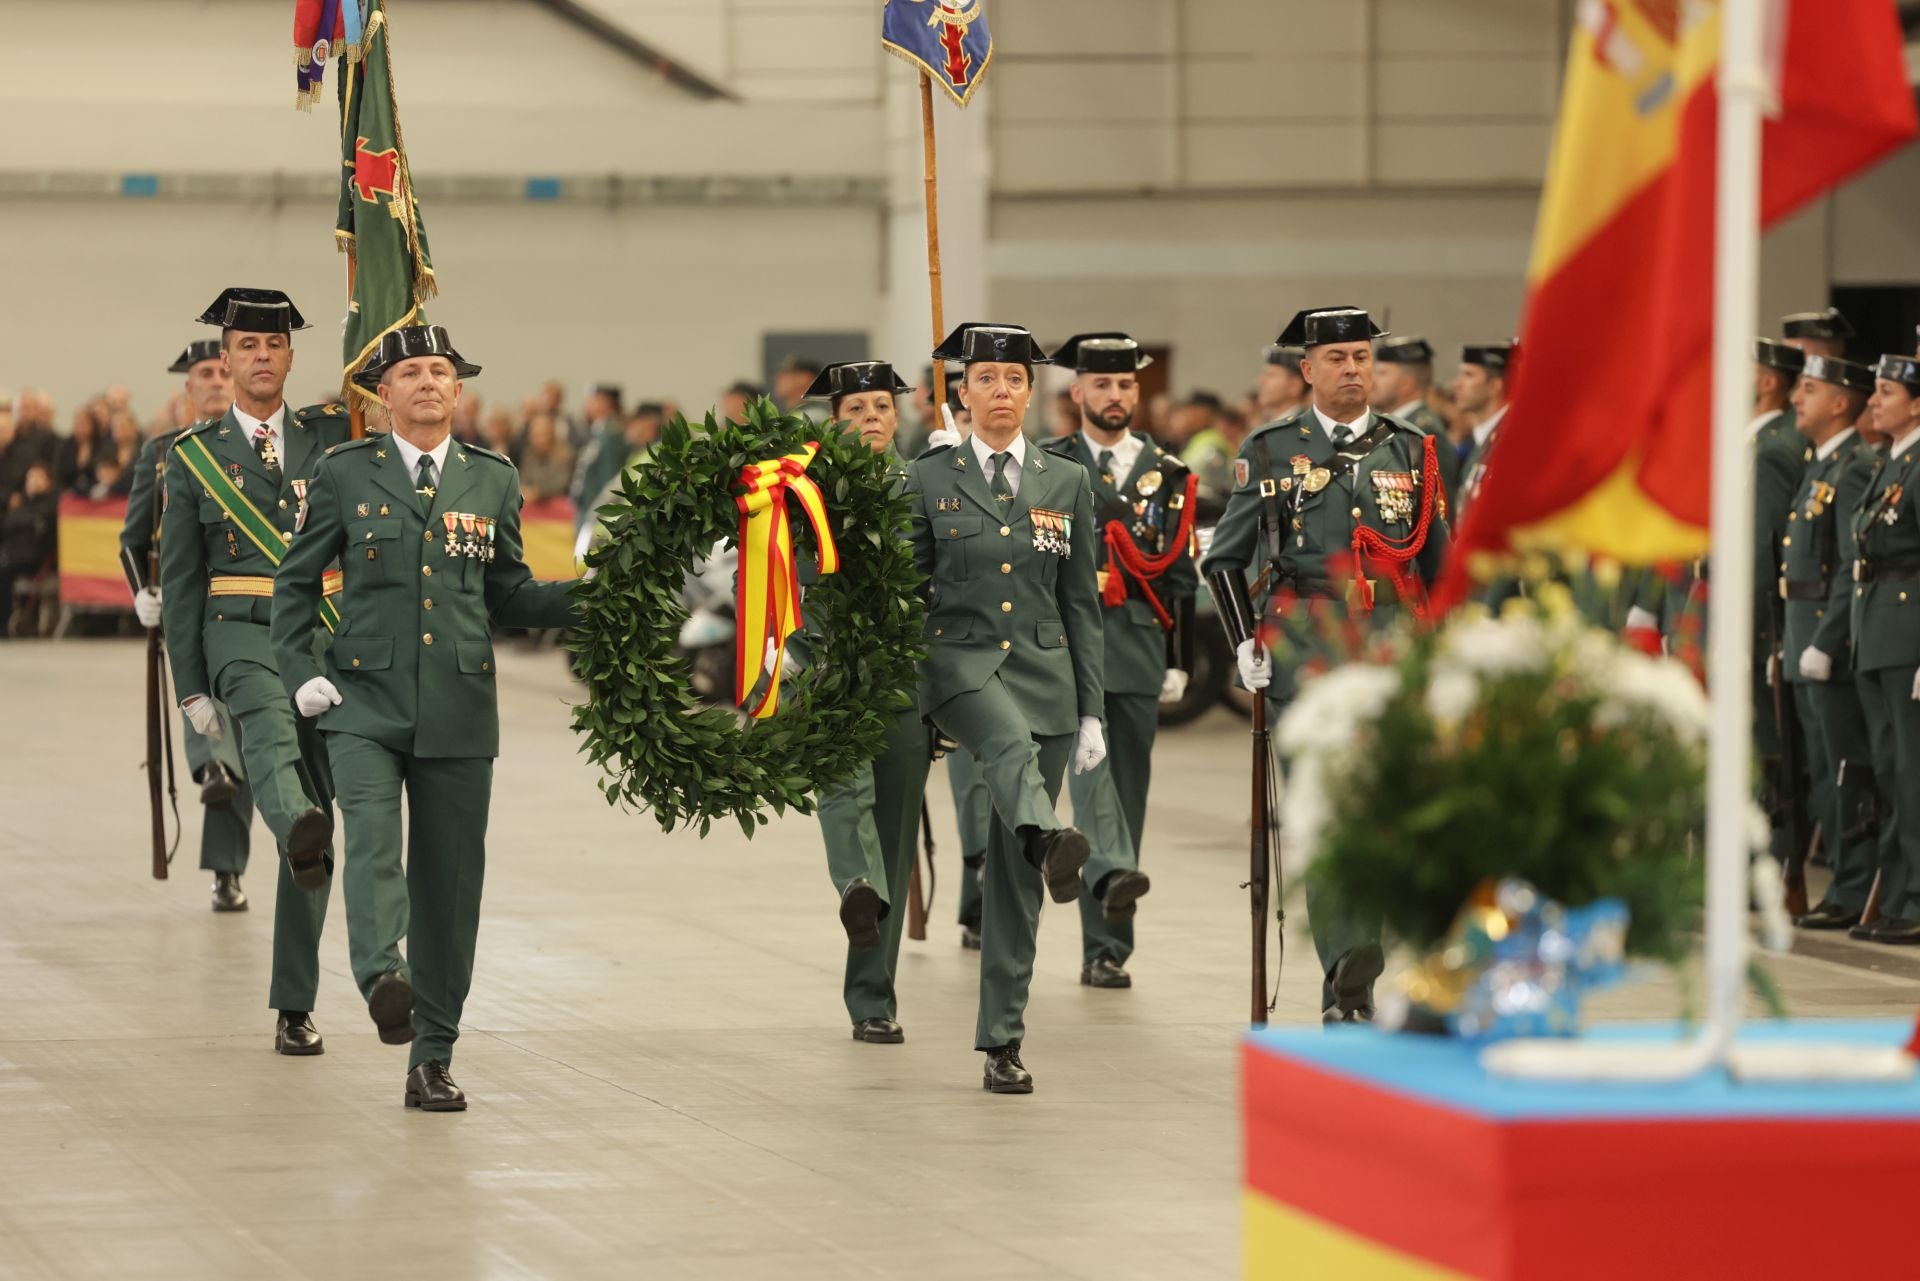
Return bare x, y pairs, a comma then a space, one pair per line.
659, 748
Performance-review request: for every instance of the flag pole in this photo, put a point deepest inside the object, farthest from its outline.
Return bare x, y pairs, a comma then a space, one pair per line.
932, 180
1743, 92
356, 411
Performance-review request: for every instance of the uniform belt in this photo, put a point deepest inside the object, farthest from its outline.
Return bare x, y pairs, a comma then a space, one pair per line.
1347, 590
1805, 589
262, 585
1865, 571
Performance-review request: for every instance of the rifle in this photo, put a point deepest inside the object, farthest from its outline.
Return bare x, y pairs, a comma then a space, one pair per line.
918, 905
1789, 804
159, 726
1236, 615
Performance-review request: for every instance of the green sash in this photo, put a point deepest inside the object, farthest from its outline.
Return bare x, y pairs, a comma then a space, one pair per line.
260, 531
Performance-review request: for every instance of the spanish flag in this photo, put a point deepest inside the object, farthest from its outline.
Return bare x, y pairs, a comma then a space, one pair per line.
1606, 447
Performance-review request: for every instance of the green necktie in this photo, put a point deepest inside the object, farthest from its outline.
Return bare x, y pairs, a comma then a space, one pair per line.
423, 482
1001, 489
1106, 468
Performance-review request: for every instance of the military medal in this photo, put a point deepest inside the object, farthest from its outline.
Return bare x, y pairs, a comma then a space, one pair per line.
1150, 483
491, 525
1393, 493
1317, 479
1301, 464
361, 510
450, 519
1286, 483
300, 497
236, 476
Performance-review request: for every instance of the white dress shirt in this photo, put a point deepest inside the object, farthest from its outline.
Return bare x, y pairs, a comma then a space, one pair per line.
1834, 442
1015, 465
410, 457
276, 425
1125, 454
1484, 428
1355, 429
1755, 427
1905, 443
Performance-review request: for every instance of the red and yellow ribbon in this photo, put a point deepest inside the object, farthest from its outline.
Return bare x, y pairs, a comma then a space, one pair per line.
767, 608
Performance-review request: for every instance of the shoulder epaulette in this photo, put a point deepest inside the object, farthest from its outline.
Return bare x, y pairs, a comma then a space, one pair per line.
1059, 446
932, 451
196, 428
1400, 424
1286, 420
332, 409
345, 445
484, 452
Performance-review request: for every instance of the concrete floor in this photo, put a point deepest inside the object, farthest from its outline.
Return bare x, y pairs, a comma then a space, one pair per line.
661, 1078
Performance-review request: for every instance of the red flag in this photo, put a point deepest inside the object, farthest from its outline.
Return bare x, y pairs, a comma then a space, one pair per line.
1606, 447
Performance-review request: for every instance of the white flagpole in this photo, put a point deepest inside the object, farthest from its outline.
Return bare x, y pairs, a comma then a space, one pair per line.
1743, 92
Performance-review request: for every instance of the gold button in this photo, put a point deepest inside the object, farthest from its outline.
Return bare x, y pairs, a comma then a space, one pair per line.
219, 618
1787, 541
939, 631
356, 662
1004, 531
429, 535
1063, 638
1859, 591
486, 667
1006, 606
1903, 595
953, 533
286, 538
1296, 522
283, 504
1793, 515
427, 603
369, 535
1006, 644
427, 570
1006, 569
427, 639
1356, 513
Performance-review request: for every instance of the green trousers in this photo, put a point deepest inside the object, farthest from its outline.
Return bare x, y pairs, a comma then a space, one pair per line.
1110, 806
1893, 727
287, 775
1835, 729
432, 897
870, 826
973, 809
1023, 771
223, 831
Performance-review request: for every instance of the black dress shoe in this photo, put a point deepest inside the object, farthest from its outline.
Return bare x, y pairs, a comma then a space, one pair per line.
218, 786
970, 938
1896, 931
430, 1088
227, 894
1121, 891
1352, 984
860, 910
390, 1002
1005, 1073
1827, 916
294, 1033
307, 848
1864, 932
1104, 971
878, 1032
1059, 855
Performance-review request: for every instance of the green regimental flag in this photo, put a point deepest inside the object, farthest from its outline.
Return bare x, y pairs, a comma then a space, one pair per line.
380, 227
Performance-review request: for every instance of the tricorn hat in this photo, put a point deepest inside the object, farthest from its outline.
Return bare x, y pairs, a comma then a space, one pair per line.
1850, 374
1405, 350
254, 311
1828, 324
405, 344
1494, 357
1112, 353
1318, 326
1904, 370
1285, 355
198, 350
850, 377
972, 344
1775, 354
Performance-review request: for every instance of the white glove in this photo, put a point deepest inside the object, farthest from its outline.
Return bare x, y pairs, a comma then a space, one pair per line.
1174, 687
941, 437
204, 717
1815, 665
1256, 668
146, 606
1092, 747
316, 696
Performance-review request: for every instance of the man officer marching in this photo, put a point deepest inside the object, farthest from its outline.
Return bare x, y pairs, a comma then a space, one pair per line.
871, 823
1402, 377
226, 803
1142, 518
1314, 492
234, 488
427, 534
1003, 531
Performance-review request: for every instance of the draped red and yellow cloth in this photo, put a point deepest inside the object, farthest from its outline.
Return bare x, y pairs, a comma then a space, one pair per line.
767, 605
1607, 444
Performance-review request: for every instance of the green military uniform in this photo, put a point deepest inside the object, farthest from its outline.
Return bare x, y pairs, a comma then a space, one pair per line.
215, 540
1886, 659
973, 815
1780, 455
1816, 586
223, 828
870, 824
1294, 514
427, 577
1015, 656
1110, 800
1403, 349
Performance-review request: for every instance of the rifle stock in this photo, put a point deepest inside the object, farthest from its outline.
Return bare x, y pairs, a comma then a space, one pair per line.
917, 901
1229, 592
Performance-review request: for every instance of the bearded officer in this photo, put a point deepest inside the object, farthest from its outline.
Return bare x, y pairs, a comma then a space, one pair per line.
1141, 513
1816, 586
1402, 378
1886, 643
871, 823
1004, 532
235, 490
227, 805
1332, 486
428, 535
